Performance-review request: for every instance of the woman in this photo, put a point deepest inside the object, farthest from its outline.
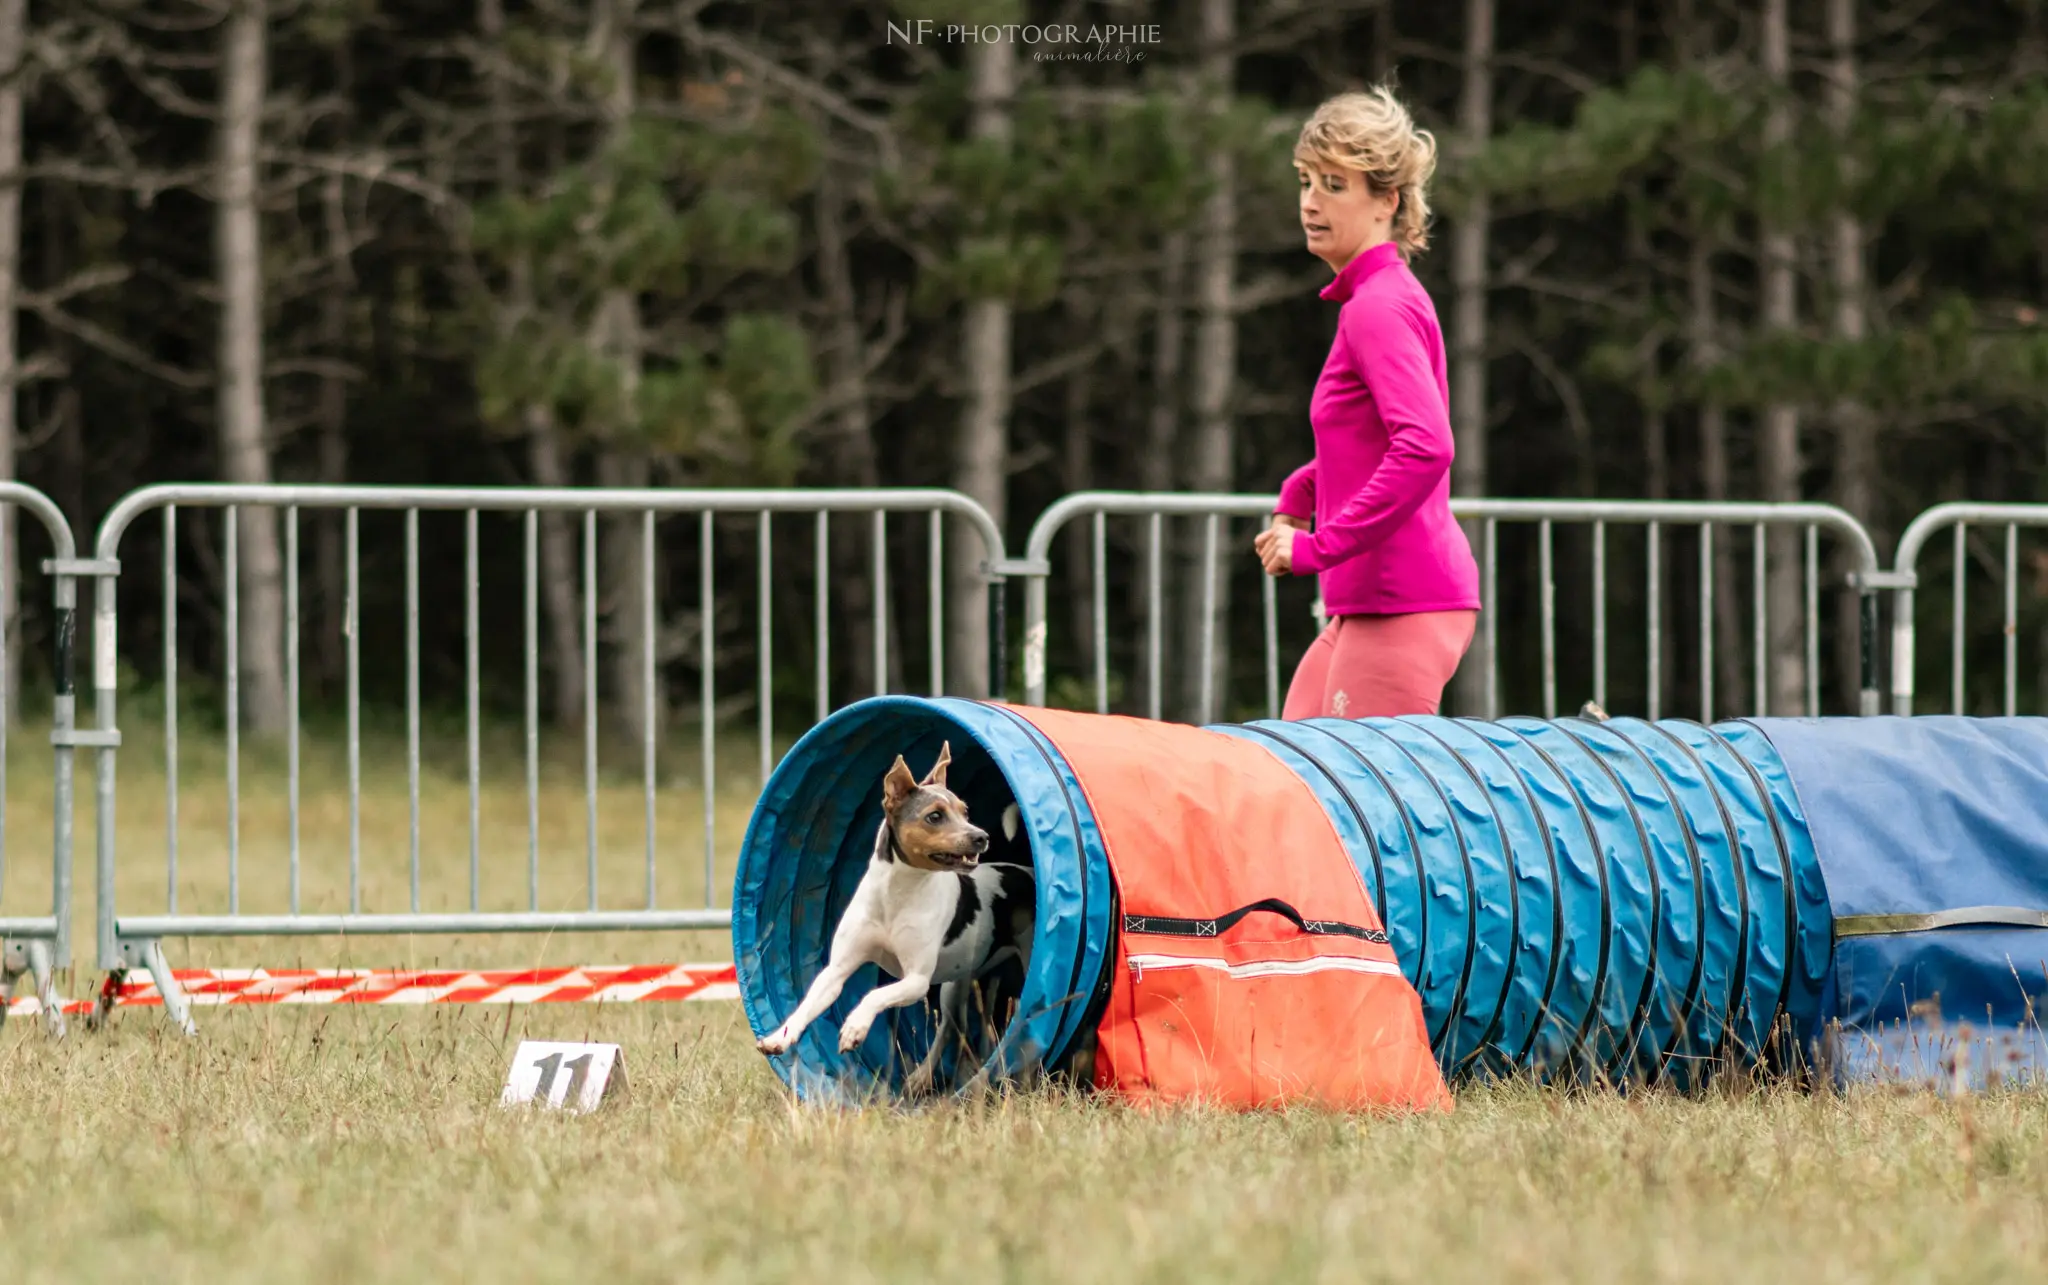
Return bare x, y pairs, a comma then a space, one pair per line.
1398, 580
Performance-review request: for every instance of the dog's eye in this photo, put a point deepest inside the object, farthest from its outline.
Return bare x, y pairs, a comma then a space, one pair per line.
934, 817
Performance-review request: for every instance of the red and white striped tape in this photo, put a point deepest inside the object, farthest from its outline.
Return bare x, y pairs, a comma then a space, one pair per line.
641, 983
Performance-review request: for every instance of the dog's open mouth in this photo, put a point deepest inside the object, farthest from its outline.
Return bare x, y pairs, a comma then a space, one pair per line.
955, 860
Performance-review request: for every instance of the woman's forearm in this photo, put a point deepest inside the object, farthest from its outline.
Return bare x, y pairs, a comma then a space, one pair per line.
1298, 493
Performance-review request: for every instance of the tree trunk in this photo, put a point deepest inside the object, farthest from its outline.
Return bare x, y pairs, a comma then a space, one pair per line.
1778, 451
1468, 260
1704, 341
13, 38
853, 445
331, 413
332, 416
1656, 454
628, 580
1162, 448
1469, 277
63, 417
1855, 425
1211, 453
558, 572
623, 462
1656, 426
1077, 473
244, 444
982, 468
1169, 340
1383, 43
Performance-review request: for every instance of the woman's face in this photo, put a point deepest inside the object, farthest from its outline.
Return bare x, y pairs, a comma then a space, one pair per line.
1341, 215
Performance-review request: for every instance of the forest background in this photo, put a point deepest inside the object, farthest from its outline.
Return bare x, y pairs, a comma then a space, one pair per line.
1748, 249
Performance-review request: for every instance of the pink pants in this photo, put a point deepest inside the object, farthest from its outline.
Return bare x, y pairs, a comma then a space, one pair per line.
1380, 666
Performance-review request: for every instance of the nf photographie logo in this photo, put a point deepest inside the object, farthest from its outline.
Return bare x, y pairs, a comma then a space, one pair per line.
1049, 42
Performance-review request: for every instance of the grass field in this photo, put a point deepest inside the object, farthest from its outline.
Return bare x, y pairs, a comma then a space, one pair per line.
353, 1144
348, 1144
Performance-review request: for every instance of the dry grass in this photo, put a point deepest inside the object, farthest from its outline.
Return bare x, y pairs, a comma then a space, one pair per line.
352, 1144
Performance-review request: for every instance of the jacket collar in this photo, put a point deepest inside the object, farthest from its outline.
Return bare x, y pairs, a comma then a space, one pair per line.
1355, 272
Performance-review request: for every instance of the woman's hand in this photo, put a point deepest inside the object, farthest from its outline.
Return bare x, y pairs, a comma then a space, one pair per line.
1275, 545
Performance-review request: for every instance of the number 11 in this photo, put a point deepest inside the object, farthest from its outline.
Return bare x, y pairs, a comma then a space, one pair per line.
579, 1071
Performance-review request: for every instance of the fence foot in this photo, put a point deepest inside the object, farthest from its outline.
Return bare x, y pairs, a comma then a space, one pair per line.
176, 1006
34, 959
147, 953
103, 1003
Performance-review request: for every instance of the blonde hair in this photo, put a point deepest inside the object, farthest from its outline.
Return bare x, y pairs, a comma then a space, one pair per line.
1373, 133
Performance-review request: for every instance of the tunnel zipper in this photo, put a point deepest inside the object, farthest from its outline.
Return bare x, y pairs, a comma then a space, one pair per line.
1263, 967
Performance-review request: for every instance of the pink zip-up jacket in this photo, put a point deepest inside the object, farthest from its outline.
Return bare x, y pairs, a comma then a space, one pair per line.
1379, 487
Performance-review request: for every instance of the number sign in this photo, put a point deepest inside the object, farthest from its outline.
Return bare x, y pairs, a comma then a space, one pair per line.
568, 1077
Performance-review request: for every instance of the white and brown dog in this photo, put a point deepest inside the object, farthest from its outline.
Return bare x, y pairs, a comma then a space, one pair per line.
927, 910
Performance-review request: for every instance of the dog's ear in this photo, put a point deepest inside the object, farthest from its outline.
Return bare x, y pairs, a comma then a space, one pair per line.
937, 776
898, 785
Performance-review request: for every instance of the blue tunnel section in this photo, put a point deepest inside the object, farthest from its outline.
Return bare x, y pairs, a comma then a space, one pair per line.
1621, 900
1575, 900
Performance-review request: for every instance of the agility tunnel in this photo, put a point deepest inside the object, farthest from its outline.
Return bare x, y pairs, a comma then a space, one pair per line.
1346, 910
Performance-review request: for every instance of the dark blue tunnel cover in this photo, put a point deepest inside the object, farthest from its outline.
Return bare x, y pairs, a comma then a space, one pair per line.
1932, 834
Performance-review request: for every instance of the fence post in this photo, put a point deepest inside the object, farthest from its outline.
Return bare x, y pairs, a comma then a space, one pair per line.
1902, 651
105, 671
998, 642
40, 947
1868, 701
63, 711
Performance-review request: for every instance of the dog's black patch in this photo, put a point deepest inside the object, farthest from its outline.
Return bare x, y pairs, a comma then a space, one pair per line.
964, 909
1013, 915
1007, 846
885, 842
1018, 896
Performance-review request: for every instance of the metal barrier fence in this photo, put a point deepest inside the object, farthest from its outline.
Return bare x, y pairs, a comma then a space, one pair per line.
1810, 520
39, 945
1958, 519
131, 941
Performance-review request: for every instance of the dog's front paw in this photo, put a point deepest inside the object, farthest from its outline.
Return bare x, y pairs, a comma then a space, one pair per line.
918, 1083
774, 1043
851, 1036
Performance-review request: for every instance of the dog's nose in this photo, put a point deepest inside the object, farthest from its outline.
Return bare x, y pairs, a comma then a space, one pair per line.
980, 841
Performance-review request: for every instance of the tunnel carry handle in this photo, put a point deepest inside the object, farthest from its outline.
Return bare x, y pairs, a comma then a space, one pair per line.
1167, 926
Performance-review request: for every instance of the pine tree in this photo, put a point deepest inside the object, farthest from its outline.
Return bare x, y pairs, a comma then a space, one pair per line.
1470, 278
670, 209
982, 468
244, 432
1212, 449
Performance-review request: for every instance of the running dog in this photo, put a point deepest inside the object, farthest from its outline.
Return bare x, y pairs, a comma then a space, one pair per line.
928, 910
